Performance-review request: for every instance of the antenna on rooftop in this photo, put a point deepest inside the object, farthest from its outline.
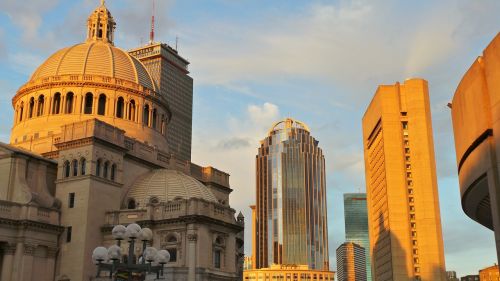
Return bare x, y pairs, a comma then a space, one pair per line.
152, 33
176, 42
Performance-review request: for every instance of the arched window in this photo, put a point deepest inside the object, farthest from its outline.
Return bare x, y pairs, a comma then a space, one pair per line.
31, 107
21, 112
69, 102
41, 102
172, 247
101, 106
66, 169
145, 115
113, 172
119, 107
83, 166
74, 166
105, 170
131, 204
56, 103
154, 119
98, 167
131, 110
89, 99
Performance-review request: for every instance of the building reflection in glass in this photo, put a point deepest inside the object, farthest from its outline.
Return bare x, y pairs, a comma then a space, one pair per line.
291, 213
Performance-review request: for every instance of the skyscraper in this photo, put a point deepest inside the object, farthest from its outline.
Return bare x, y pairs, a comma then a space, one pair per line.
356, 224
171, 75
351, 262
403, 205
291, 218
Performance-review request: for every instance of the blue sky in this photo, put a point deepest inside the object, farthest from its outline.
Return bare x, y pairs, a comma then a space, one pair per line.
254, 62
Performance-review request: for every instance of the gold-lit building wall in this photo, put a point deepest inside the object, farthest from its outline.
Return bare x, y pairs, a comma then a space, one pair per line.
476, 124
489, 274
288, 273
403, 204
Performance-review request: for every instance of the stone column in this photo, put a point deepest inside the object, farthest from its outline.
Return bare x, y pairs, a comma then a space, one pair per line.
191, 255
51, 262
26, 266
9, 251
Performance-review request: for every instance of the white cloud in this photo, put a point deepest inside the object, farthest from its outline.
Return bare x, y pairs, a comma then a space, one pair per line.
27, 15
231, 147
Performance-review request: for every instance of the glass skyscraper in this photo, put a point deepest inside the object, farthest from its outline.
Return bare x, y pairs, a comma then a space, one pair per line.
291, 213
356, 224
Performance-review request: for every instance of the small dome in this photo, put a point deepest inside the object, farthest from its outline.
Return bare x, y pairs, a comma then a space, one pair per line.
95, 58
168, 185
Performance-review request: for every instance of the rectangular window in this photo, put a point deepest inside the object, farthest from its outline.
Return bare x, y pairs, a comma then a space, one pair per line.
407, 150
217, 255
71, 200
404, 113
405, 125
68, 234
408, 166
407, 158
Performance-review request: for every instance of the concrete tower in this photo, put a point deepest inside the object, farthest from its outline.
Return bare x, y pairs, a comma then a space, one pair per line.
351, 262
403, 205
170, 73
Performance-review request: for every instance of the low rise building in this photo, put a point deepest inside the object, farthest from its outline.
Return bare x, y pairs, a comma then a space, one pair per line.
489, 273
288, 272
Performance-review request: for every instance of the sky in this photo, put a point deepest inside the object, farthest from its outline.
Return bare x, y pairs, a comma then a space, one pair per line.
255, 62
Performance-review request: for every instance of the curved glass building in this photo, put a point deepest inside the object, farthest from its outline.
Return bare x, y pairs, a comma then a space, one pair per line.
291, 213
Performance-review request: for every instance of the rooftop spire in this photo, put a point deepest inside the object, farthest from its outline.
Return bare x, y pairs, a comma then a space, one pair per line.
103, 2
152, 33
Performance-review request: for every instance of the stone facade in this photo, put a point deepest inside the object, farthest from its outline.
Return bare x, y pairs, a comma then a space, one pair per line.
90, 127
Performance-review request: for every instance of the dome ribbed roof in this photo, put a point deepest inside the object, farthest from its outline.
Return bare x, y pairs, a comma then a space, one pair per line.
168, 185
95, 58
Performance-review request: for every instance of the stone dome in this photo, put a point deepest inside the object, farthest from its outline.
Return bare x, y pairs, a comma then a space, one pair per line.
167, 185
95, 58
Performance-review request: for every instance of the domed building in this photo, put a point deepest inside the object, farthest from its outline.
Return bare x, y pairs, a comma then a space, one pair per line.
92, 147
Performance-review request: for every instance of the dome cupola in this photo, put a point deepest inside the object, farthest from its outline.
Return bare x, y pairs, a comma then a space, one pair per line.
101, 25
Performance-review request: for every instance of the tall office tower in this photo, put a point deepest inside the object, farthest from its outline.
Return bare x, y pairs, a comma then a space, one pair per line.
290, 214
403, 205
356, 225
351, 262
476, 115
170, 73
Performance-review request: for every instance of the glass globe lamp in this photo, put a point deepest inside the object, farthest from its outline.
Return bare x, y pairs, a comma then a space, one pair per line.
150, 254
146, 234
119, 232
99, 255
162, 257
114, 253
133, 231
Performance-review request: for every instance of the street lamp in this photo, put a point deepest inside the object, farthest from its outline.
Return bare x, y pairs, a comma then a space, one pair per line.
111, 260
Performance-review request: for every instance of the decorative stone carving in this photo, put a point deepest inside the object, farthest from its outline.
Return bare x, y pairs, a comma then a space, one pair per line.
52, 252
192, 237
9, 248
29, 249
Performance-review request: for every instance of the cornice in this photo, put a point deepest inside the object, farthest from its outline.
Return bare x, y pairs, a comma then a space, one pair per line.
34, 225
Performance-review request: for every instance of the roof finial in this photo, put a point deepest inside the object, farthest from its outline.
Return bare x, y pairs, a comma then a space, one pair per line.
102, 2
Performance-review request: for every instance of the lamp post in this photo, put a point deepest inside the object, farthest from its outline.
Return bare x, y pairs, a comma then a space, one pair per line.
111, 260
